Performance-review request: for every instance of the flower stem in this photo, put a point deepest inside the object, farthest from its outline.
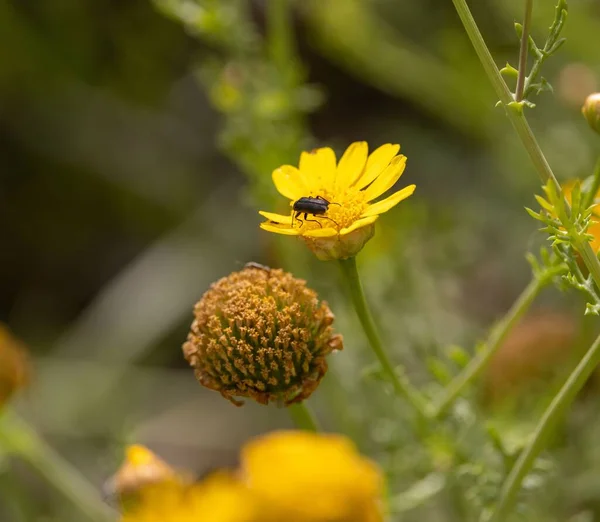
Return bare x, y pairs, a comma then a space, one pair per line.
495, 340
591, 194
545, 426
519, 122
523, 51
302, 416
20, 438
279, 34
401, 386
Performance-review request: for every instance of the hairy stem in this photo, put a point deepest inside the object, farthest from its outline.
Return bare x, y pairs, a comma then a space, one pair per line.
303, 417
544, 428
497, 337
20, 439
401, 385
523, 51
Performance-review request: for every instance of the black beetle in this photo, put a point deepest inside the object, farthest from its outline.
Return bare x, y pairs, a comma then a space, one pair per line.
316, 206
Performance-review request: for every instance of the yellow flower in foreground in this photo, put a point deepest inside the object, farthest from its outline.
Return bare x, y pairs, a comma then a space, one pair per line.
308, 477
287, 476
141, 469
219, 498
14, 365
344, 195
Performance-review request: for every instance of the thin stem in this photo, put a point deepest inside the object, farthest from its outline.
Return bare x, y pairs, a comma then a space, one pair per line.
519, 122
279, 34
545, 426
497, 337
401, 385
523, 51
590, 196
302, 416
20, 438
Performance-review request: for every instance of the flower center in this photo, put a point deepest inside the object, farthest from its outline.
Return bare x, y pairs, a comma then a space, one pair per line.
343, 209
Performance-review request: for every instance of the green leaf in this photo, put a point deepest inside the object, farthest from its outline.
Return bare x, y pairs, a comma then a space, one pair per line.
556, 46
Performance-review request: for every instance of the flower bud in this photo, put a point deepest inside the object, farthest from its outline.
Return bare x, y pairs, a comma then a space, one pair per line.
14, 365
591, 111
261, 333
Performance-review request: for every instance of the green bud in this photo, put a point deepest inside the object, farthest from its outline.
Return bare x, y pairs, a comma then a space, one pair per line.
591, 111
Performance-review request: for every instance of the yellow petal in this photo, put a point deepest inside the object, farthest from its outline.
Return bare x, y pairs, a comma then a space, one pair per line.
362, 222
386, 179
385, 204
352, 164
378, 160
321, 232
278, 229
277, 218
318, 169
289, 183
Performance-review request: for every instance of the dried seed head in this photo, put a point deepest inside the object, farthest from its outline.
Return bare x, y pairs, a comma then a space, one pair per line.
14, 365
591, 111
261, 333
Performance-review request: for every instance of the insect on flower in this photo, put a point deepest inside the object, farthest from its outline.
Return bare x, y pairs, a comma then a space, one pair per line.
316, 206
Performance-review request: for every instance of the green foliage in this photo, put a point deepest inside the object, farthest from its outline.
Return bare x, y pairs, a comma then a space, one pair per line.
535, 84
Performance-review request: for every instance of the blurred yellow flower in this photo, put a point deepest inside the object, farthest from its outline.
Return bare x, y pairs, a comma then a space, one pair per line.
308, 477
141, 469
287, 476
341, 196
14, 365
219, 498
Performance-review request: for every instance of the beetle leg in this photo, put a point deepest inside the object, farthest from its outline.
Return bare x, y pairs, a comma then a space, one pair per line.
312, 220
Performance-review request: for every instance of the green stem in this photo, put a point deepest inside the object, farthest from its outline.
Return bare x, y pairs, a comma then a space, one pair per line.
20, 438
401, 385
279, 34
523, 51
497, 337
519, 122
590, 195
303, 417
545, 426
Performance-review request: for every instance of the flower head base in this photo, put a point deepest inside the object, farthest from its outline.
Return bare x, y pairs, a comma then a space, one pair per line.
345, 221
283, 468
261, 333
591, 111
14, 365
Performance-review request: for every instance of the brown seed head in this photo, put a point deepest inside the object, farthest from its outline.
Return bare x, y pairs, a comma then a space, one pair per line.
14, 365
591, 111
261, 333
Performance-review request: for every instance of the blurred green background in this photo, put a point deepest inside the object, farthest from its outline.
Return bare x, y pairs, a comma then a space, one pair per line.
136, 145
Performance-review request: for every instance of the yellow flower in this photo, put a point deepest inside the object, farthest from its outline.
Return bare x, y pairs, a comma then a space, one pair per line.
308, 477
287, 476
141, 469
218, 498
14, 365
346, 190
